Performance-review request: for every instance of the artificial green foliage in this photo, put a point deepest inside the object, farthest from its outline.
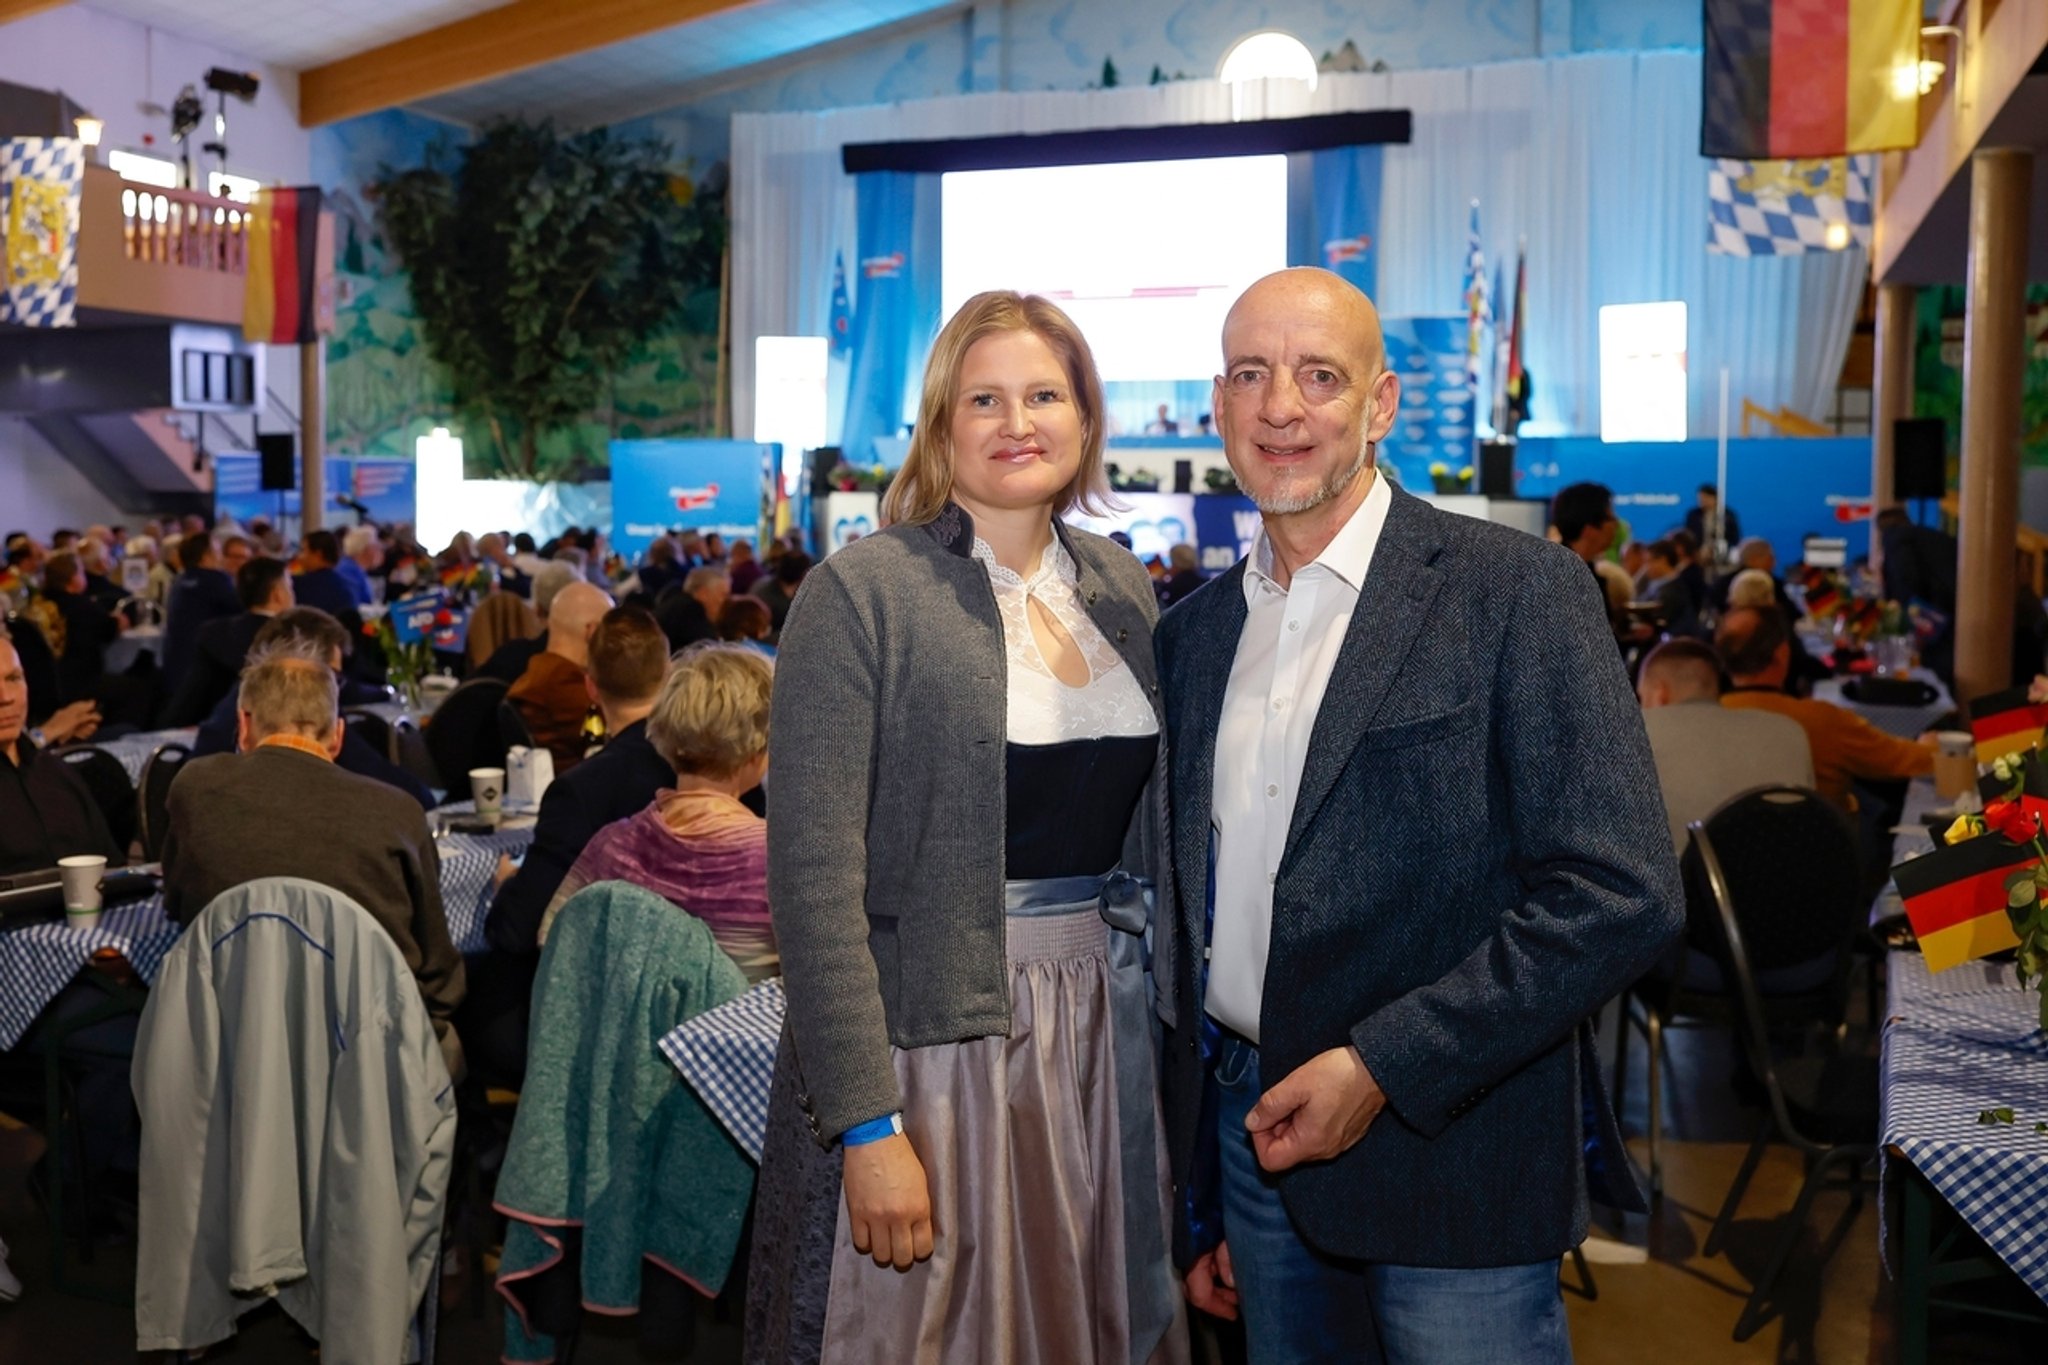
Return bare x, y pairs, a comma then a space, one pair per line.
539, 264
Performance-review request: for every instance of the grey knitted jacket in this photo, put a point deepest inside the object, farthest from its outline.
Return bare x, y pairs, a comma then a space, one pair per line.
886, 800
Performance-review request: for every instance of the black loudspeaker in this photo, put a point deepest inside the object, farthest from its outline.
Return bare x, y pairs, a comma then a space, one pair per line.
1497, 469
823, 460
1919, 458
279, 452
1183, 476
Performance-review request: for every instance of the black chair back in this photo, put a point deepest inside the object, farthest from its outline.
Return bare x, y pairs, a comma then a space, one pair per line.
374, 731
463, 732
1793, 873
108, 782
512, 726
158, 772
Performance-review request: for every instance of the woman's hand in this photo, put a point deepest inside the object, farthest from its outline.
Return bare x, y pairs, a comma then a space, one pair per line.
888, 1203
74, 722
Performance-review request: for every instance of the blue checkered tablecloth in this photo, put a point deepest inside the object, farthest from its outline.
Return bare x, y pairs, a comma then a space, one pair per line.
38, 960
1958, 1043
134, 750
728, 1057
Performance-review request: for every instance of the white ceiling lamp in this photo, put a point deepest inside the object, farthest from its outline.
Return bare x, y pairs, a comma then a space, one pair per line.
1264, 57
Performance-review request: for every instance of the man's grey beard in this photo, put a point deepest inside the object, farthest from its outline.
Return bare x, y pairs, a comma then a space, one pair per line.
1335, 484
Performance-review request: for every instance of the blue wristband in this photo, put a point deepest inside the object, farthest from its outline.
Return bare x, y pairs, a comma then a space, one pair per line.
874, 1130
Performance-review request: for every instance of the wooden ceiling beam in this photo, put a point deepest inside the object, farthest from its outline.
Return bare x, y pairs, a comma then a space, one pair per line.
497, 42
22, 9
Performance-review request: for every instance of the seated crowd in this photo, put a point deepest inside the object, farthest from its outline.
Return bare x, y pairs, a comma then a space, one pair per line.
648, 687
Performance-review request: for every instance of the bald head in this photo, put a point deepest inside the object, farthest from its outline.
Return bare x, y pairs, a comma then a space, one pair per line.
1309, 295
573, 614
1304, 396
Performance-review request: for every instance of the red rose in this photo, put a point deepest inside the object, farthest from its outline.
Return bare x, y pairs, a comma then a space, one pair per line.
444, 617
2010, 819
370, 628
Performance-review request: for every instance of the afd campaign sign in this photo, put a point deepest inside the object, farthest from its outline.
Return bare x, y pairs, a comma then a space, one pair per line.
388, 490
1783, 488
689, 485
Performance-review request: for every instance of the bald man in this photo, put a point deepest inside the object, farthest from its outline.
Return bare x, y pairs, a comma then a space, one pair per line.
550, 695
1413, 855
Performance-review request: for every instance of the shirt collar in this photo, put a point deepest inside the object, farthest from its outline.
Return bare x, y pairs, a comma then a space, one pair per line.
1349, 553
300, 743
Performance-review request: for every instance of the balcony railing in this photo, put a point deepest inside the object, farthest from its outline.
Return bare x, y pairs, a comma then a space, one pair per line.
184, 228
159, 253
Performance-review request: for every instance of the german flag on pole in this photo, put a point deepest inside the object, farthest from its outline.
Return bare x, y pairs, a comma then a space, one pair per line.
2006, 723
1956, 897
282, 270
1810, 78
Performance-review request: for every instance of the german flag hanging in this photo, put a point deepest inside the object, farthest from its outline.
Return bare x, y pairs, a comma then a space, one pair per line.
281, 273
1810, 78
1956, 898
2006, 723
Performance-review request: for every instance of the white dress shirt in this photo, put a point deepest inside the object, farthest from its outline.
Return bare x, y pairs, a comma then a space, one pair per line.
1285, 655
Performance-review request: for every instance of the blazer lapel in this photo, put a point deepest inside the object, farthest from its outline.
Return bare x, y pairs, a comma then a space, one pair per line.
1393, 607
1201, 673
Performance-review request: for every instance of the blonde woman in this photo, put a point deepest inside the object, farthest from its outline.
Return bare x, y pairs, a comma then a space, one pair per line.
963, 1143
696, 844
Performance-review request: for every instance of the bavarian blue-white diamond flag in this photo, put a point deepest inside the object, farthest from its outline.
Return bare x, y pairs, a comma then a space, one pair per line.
40, 178
1783, 208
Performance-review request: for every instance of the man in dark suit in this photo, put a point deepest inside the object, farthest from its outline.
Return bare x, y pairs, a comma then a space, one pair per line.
321, 584
1422, 799
628, 661
1704, 520
264, 588
281, 808
313, 631
200, 593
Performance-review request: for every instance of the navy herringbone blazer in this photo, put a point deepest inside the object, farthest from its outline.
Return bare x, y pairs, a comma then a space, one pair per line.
1477, 861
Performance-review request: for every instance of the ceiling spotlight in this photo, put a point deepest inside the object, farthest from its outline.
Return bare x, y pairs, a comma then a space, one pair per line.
243, 85
90, 129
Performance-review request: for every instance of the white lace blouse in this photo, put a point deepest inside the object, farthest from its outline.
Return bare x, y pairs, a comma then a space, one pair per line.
1042, 709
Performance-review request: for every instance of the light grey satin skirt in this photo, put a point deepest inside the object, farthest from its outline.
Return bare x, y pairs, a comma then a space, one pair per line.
1046, 1162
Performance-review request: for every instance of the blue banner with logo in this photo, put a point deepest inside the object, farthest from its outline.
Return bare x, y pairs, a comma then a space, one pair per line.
387, 491
689, 485
1347, 212
1434, 425
1226, 524
238, 489
885, 310
413, 618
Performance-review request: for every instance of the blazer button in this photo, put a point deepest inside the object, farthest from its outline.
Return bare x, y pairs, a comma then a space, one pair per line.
1122, 635
1091, 597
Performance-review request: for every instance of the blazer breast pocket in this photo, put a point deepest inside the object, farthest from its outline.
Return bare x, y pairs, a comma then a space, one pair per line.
1440, 725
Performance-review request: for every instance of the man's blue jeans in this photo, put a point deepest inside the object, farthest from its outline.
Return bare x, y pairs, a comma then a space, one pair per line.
1301, 1307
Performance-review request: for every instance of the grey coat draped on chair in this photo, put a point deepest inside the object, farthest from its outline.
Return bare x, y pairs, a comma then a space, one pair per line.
298, 1125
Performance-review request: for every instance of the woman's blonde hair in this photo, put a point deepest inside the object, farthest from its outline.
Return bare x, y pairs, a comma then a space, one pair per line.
712, 715
925, 482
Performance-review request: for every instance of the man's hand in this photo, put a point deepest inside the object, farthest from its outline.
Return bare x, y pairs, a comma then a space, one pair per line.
1320, 1109
888, 1203
1212, 1284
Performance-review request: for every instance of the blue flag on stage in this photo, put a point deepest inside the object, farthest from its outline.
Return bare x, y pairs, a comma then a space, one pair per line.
842, 307
1346, 191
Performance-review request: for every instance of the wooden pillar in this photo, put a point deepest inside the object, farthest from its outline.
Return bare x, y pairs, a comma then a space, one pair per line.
1994, 361
312, 435
1892, 398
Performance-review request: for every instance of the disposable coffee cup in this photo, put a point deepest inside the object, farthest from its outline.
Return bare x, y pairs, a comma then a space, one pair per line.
81, 877
487, 790
1955, 763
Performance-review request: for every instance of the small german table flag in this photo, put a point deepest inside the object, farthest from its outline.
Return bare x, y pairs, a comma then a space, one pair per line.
1956, 898
2006, 723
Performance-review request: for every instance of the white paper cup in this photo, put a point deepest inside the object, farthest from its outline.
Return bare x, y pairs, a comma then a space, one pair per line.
81, 877
1955, 763
487, 790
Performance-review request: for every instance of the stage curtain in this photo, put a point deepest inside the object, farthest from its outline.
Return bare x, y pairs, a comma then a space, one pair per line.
1594, 158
